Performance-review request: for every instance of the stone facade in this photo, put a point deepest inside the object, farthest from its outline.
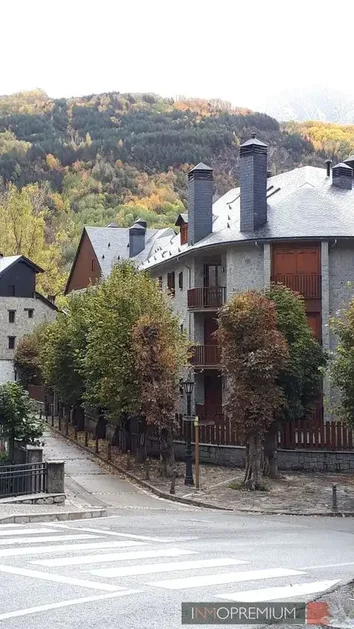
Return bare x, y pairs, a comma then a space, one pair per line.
28, 313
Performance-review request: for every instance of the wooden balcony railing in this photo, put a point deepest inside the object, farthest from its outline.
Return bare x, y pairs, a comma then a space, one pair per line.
206, 298
308, 284
206, 356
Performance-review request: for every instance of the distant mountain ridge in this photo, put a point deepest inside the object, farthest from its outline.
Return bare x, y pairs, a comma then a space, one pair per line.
321, 104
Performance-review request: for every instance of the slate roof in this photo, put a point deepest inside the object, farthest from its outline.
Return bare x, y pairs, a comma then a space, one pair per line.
302, 203
110, 244
7, 261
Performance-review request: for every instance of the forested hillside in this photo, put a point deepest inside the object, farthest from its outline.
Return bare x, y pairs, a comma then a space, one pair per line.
113, 157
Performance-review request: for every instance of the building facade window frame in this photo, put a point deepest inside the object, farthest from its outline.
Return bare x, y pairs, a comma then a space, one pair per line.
12, 316
171, 282
11, 342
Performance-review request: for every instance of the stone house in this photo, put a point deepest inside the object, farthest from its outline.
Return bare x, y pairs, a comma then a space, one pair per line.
22, 308
296, 228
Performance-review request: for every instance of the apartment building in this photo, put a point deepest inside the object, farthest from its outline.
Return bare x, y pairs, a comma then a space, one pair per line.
22, 308
296, 228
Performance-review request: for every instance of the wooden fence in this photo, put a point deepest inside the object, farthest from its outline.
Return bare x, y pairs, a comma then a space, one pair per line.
293, 435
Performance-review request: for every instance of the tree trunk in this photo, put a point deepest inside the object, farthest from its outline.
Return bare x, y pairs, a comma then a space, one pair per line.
140, 456
252, 479
167, 451
78, 417
270, 466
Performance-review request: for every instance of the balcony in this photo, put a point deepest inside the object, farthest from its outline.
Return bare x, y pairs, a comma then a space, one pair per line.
210, 298
308, 285
206, 356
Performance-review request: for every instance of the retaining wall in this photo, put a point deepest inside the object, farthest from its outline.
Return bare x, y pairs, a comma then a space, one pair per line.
234, 456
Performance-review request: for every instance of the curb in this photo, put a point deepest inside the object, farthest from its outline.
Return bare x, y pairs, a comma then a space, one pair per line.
52, 517
191, 501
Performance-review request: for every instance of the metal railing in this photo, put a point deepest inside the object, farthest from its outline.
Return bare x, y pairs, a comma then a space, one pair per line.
27, 478
307, 284
206, 298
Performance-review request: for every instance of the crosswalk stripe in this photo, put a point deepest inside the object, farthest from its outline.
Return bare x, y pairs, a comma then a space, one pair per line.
46, 576
143, 538
277, 593
85, 559
9, 526
38, 550
166, 567
228, 577
26, 531
73, 601
46, 538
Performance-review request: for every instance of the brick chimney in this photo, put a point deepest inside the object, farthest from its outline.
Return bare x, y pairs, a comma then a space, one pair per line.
200, 203
253, 184
137, 237
342, 176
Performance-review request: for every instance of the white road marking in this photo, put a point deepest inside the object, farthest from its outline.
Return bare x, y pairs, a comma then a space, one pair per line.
11, 526
46, 538
74, 601
46, 576
128, 535
330, 565
143, 554
26, 531
277, 593
38, 550
228, 577
166, 567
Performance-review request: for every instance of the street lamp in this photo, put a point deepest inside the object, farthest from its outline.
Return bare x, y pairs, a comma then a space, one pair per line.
188, 386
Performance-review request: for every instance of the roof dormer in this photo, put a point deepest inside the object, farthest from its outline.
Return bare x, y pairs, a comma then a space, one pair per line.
182, 223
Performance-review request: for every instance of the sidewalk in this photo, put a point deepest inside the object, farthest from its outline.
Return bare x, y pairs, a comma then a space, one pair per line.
220, 487
92, 483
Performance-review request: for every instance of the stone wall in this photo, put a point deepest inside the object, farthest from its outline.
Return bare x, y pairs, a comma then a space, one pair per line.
288, 460
245, 268
23, 323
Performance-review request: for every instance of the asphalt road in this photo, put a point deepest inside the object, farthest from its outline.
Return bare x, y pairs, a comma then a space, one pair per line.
135, 568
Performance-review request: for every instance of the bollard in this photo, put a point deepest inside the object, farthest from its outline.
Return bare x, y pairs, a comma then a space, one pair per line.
147, 469
334, 498
109, 452
86, 439
60, 422
96, 445
66, 427
173, 483
75, 433
128, 460
52, 420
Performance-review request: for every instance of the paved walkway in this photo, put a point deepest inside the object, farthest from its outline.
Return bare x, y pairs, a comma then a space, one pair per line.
89, 483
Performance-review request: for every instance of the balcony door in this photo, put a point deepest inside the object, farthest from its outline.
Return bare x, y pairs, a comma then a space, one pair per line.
211, 275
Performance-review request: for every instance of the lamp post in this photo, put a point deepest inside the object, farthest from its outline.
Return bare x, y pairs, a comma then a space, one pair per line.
188, 386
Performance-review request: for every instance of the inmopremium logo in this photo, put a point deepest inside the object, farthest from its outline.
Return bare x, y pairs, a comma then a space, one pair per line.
253, 613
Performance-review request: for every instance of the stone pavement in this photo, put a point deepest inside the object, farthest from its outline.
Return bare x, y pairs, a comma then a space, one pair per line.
89, 482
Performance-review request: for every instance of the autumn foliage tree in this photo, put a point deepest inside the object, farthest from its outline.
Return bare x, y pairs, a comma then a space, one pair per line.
341, 368
160, 354
301, 377
253, 354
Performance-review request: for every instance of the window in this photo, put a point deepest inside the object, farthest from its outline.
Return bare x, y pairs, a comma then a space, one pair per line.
30, 312
12, 314
12, 342
160, 282
184, 233
93, 265
180, 280
171, 282
11, 290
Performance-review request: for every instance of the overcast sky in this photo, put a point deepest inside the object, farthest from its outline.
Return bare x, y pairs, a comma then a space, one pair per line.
240, 51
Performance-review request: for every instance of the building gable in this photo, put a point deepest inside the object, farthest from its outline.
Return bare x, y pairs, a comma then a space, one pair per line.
18, 277
86, 268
